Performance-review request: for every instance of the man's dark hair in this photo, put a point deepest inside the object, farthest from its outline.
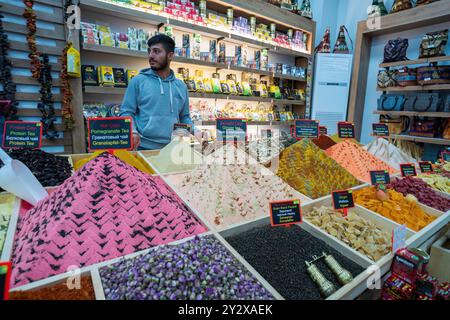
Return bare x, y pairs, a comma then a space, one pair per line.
166, 41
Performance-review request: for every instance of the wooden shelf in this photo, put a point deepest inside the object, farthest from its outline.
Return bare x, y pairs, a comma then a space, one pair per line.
438, 141
413, 114
416, 88
414, 62
250, 123
128, 12
144, 55
121, 91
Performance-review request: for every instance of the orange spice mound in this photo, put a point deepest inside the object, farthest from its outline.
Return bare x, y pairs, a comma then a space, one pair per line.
356, 160
397, 208
58, 292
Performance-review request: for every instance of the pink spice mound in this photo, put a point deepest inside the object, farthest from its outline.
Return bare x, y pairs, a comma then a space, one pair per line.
106, 210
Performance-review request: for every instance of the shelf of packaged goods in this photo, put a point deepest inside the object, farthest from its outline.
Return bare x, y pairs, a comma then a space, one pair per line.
182, 60
417, 88
415, 114
438, 141
130, 13
250, 123
121, 91
414, 62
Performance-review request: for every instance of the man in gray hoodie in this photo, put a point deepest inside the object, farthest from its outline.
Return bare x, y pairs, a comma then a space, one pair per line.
156, 99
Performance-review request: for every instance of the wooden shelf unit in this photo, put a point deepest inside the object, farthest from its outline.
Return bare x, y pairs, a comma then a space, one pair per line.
414, 62
439, 141
430, 14
415, 114
434, 87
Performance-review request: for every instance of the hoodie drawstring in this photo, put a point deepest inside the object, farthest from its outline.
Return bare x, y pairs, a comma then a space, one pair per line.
161, 85
171, 98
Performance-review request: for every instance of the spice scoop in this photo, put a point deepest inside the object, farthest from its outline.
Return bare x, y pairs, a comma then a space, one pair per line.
16, 178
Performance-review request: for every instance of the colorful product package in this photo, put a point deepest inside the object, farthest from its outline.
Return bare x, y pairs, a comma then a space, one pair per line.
407, 265
197, 40
89, 33
131, 74
105, 76
426, 285
120, 78
443, 292
73, 62
105, 36
396, 288
89, 75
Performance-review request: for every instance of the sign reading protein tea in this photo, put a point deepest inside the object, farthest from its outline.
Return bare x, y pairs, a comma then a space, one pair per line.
22, 135
306, 129
285, 213
110, 134
231, 130
346, 130
408, 170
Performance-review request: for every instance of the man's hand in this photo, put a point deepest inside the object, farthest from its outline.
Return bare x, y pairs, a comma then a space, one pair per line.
136, 141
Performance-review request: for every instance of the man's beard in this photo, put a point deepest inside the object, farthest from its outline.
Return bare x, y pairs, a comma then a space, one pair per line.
161, 67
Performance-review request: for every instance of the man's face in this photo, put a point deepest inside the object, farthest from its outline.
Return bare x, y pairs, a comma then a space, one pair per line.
158, 58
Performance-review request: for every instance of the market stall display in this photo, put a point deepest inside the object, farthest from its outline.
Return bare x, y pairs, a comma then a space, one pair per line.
307, 169
130, 158
359, 233
422, 191
265, 149
177, 156
50, 170
228, 192
107, 209
280, 256
356, 160
394, 206
436, 181
389, 153
199, 269
59, 291
324, 142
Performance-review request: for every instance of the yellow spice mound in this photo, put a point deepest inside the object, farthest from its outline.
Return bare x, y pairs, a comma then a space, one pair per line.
397, 208
123, 155
307, 169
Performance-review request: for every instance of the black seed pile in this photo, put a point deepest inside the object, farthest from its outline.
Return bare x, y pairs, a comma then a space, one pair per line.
50, 170
279, 255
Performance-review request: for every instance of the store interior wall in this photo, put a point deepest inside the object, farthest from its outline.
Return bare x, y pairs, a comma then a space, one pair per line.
334, 13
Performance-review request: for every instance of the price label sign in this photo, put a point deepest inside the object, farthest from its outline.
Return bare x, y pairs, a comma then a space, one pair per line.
399, 238
110, 133
184, 126
426, 167
380, 177
343, 200
380, 130
323, 131
231, 130
5, 279
22, 135
346, 130
306, 129
408, 170
285, 213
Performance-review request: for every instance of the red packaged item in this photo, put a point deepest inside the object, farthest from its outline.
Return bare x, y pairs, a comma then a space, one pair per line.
443, 292
426, 285
396, 289
407, 265
423, 297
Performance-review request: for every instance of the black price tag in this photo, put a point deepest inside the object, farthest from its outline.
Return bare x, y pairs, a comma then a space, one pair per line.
380, 177
22, 135
306, 129
346, 130
380, 130
343, 200
231, 130
323, 131
285, 213
5, 278
110, 134
184, 126
426, 167
408, 170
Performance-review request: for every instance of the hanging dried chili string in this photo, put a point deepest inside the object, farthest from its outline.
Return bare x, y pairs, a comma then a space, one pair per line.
66, 91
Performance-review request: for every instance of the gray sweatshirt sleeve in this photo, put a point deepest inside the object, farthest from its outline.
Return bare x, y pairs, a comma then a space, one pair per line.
129, 105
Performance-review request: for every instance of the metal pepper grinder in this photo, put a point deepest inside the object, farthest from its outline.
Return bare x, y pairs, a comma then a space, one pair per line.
343, 275
326, 288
